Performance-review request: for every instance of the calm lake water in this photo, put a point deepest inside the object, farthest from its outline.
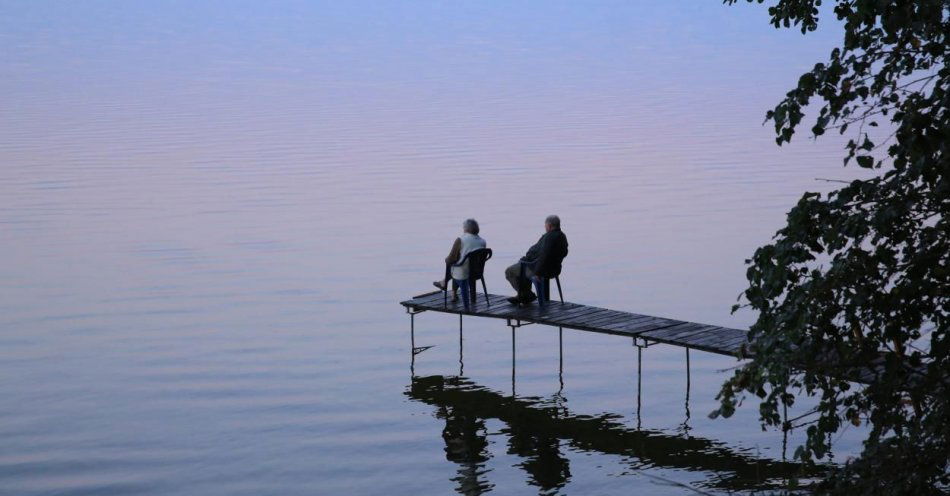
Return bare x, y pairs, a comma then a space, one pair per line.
209, 213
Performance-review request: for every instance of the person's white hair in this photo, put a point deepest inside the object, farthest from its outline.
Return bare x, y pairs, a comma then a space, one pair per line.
554, 221
470, 226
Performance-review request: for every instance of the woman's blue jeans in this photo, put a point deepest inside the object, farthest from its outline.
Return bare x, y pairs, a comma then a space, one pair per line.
463, 285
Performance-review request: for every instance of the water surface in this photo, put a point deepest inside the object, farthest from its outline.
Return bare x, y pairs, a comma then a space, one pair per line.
208, 213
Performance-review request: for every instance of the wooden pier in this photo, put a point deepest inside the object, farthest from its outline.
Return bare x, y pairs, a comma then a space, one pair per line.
644, 329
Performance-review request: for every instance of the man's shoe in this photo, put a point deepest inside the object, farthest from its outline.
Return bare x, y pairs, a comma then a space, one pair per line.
439, 284
514, 300
529, 298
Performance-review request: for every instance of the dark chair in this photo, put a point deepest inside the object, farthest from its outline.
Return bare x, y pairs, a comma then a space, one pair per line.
543, 288
476, 270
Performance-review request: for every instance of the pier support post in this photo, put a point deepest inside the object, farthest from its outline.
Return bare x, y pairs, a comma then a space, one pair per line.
560, 346
514, 323
639, 375
461, 362
513, 360
415, 350
412, 345
687, 373
686, 422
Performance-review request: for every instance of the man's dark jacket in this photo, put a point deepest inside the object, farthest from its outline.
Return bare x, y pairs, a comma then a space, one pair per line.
544, 258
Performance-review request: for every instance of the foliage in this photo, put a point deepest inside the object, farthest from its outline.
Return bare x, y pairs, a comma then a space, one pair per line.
857, 277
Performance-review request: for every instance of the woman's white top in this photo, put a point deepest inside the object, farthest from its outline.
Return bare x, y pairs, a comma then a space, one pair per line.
470, 242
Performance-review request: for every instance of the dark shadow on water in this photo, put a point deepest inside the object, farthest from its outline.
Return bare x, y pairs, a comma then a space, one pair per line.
466, 444
539, 430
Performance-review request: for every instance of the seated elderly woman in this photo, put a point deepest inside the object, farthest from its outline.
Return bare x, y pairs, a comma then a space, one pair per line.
467, 242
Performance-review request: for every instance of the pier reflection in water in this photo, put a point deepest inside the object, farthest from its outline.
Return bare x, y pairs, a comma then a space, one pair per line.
542, 431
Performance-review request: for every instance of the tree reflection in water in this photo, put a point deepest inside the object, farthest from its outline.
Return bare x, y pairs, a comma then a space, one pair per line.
539, 430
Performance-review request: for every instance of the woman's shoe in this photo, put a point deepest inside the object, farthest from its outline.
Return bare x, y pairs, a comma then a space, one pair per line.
439, 284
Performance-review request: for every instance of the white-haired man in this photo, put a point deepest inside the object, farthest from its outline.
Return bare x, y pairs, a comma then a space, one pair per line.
543, 260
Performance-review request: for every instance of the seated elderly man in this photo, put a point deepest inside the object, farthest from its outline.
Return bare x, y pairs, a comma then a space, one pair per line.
543, 260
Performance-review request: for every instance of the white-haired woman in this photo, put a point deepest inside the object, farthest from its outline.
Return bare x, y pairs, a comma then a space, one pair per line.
467, 242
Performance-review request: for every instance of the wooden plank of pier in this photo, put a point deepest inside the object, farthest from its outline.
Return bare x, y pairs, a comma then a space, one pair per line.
714, 339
